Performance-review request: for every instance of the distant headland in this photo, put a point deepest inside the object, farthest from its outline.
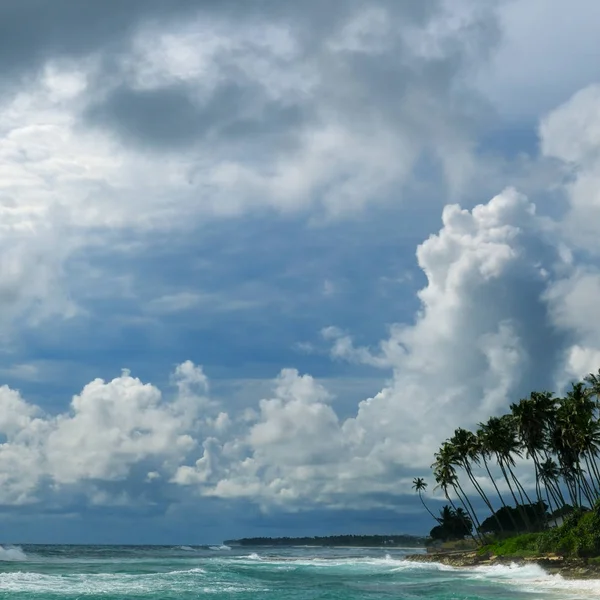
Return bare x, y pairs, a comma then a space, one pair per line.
399, 541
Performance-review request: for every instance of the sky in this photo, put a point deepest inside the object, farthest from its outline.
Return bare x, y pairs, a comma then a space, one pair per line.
259, 259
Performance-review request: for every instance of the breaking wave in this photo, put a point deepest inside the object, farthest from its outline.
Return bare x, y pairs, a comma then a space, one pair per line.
158, 573
12, 553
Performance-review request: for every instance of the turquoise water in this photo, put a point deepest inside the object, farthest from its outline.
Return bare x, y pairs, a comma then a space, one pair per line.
183, 572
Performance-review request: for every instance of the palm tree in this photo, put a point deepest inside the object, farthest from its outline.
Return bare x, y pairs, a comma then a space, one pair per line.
420, 485
486, 454
466, 451
593, 382
446, 478
532, 418
453, 524
549, 474
561, 436
499, 439
559, 444
576, 439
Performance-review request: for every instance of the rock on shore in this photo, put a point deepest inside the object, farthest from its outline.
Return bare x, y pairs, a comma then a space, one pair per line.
569, 568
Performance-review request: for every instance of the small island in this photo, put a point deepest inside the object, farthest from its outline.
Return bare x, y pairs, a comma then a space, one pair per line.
350, 541
555, 525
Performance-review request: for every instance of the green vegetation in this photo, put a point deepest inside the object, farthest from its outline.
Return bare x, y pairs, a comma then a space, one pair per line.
522, 545
452, 525
578, 536
404, 541
559, 438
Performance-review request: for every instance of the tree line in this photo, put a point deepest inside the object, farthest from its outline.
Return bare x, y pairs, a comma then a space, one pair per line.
403, 540
559, 437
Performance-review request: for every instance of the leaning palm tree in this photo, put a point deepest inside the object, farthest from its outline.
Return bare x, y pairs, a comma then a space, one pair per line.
486, 455
485, 452
532, 418
593, 382
466, 453
444, 468
549, 473
420, 485
445, 478
499, 439
576, 442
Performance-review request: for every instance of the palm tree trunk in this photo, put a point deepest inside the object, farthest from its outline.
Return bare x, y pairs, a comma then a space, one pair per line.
518, 506
512, 493
426, 508
454, 507
588, 463
550, 488
482, 494
511, 516
464, 499
594, 467
587, 490
522, 492
536, 466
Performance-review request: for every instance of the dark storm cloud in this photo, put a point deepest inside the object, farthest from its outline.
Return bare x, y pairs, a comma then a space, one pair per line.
360, 88
171, 117
32, 31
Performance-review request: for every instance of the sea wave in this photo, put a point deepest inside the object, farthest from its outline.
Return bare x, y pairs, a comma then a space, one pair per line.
527, 578
12, 553
512, 571
221, 547
387, 562
186, 571
532, 578
190, 580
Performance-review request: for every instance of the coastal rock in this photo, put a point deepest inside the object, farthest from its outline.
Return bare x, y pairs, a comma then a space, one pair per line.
569, 568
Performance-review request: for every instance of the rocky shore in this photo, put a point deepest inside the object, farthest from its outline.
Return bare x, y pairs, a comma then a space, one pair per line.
569, 568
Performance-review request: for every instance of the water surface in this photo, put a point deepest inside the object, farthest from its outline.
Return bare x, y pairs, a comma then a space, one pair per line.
185, 572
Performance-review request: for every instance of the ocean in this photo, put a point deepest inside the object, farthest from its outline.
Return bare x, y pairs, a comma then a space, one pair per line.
184, 572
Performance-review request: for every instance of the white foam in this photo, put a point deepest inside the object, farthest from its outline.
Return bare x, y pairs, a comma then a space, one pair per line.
404, 565
369, 563
533, 578
99, 583
185, 571
12, 553
254, 556
221, 547
512, 571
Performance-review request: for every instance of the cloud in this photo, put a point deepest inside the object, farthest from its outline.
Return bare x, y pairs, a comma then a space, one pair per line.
133, 120
32, 32
571, 134
153, 118
486, 334
111, 430
530, 71
502, 312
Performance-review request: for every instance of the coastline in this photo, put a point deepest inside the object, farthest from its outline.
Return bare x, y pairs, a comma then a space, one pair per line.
568, 568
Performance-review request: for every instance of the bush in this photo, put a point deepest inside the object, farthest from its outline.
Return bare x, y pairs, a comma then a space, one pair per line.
578, 536
520, 545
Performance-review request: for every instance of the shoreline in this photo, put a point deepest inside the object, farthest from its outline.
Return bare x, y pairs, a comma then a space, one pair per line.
568, 568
